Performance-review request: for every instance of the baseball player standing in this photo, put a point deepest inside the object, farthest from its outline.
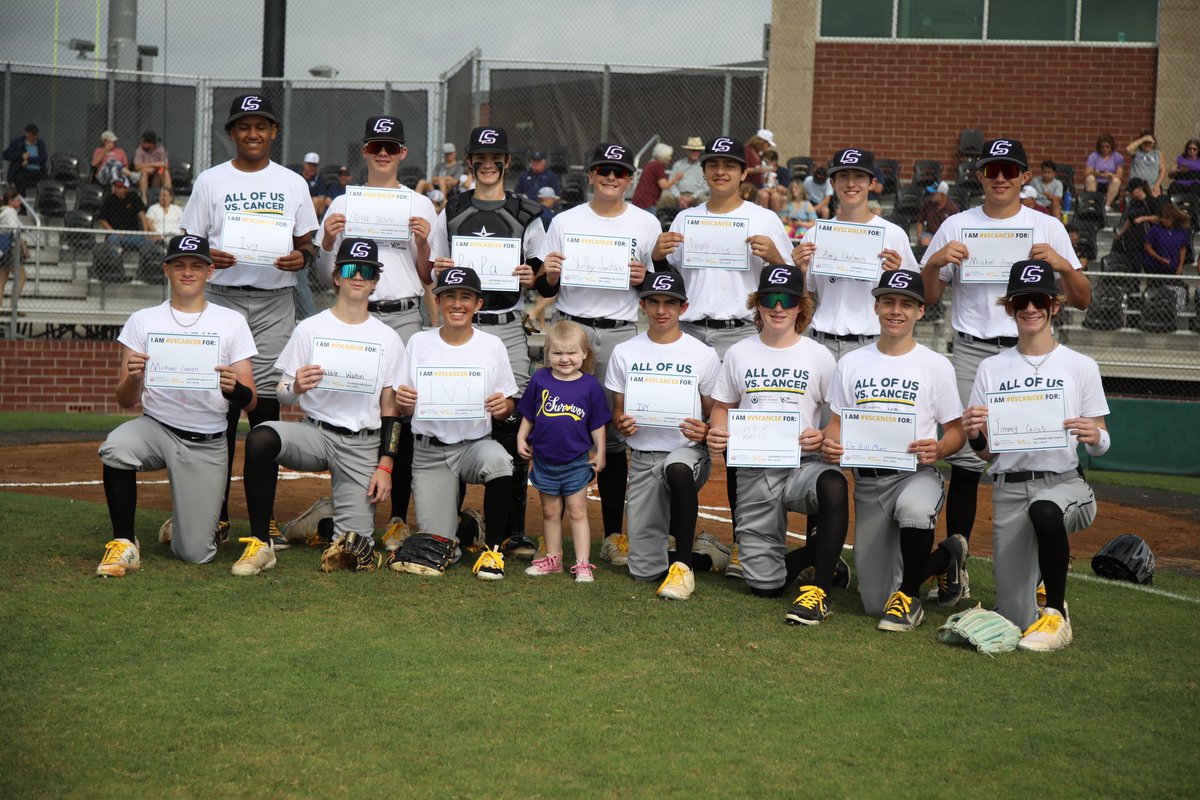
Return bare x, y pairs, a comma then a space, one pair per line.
252, 184
341, 367
1040, 495
894, 509
982, 329
608, 315
182, 427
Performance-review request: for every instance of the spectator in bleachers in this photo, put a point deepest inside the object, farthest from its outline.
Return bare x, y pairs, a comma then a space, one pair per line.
448, 175
1140, 210
1029, 199
691, 190
337, 189
438, 199
163, 218
108, 160
756, 146
548, 200
1049, 190
934, 211
536, 177
151, 165
819, 189
1187, 168
310, 170
1085, 250
654, 180
26, 156
747, 191
1105, 167
773, 194
798, 213
1146, 162
1166, 246
123, 210
9, 240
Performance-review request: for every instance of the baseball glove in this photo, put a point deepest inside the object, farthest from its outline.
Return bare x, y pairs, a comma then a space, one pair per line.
351, 551
986, 631
423, 554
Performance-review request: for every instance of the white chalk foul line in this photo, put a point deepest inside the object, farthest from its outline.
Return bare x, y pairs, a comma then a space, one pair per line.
284, 475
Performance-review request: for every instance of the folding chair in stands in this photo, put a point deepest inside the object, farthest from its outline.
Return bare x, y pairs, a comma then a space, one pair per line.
959, 196
65, 169
1089, 207
909, 200
520, 160
970, 143
890, 169
51, 198
410, 175
1066, 174
559, 160
181, 177
965, 178
1190, 204
78, 244
88, 197
926, 172
800, 167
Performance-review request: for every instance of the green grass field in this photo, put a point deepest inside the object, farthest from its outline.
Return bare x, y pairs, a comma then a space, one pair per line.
182, 681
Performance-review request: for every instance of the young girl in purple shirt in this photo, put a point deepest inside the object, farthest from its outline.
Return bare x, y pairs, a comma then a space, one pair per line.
563, 415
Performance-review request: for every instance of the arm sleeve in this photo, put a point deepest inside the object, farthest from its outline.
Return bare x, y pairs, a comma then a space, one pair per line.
439, 238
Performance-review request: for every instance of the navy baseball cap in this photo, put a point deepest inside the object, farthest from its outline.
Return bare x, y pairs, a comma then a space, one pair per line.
781, 278
852, 158
383, 129
250, 105
901, 281
488, 140
668, 282
724, 147
458, 278
188, 245
612, 154
358, 251
1002, 150
537, 155
1032, 276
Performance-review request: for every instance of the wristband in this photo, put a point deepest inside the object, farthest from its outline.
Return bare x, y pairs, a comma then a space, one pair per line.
389, 437
309, 257
285, 394
239, 396
388, 470
979, 443
1101, 447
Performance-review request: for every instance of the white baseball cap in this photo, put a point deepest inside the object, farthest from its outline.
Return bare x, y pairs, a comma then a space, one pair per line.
312, 158
1028, 193
763, 133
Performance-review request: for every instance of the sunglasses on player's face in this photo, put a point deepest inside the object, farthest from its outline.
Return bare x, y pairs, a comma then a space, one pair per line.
609, 171
1005, 169
772, 299
1021, 301
369, 272
375, 148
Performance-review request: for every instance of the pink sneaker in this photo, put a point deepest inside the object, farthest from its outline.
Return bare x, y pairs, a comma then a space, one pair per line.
582, 572
550, 565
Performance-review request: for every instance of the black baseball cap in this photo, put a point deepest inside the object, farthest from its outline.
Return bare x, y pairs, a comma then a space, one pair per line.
668, 282
612, 154
31, 128
458, 278
250, 105
358, 251
1032, 276
852, 158
488, 140
1002, 150
383, 129
781, 278
537, 155
901, 281
724, 147
188, 245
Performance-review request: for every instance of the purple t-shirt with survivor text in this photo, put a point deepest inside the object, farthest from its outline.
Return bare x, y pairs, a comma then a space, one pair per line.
564, 414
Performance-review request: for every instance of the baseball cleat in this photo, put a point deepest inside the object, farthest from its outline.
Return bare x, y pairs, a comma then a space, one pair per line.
809, 608
222, 534
519, 547
615, 549
470, 531
490, 565
394, 535
120, 556
841, 574
680, 582
277, 540
165, 531
550, 565
582, 572
305, 525
708, 545
734, 568
902, 613
1051, 631
952, 584
1041, 595
257, 556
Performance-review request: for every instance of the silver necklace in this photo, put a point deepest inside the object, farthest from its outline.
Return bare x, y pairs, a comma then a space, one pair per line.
171, 308
1037, 367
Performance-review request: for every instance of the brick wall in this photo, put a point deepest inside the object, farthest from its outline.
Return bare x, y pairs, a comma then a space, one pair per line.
909, 102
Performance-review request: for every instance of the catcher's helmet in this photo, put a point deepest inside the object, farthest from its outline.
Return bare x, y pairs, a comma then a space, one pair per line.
1125, 558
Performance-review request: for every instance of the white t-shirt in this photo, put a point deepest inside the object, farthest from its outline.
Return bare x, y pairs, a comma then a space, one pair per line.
531, 244
763, 378
1083, 394
347, 409
974, 310
722, 293
428, 349
919, 381
685, 356
399, 279
273, 190
196, 410
845, 305
165, 223
641, 226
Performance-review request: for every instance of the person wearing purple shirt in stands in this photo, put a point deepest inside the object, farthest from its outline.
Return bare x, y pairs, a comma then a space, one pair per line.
1187, 168
1167, 241
1104, 168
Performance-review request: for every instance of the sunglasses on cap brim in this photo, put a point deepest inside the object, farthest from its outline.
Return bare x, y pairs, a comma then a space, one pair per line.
996, 169
375, 148
1040, 301
610, 171
772, 299
368, 272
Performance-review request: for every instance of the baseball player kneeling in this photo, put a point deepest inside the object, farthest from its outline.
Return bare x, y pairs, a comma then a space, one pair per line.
182, 427
897, 391
341, 367
1040, 494
458, 379
781, 370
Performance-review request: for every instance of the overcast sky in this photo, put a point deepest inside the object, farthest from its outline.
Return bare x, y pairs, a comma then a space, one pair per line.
398, 39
